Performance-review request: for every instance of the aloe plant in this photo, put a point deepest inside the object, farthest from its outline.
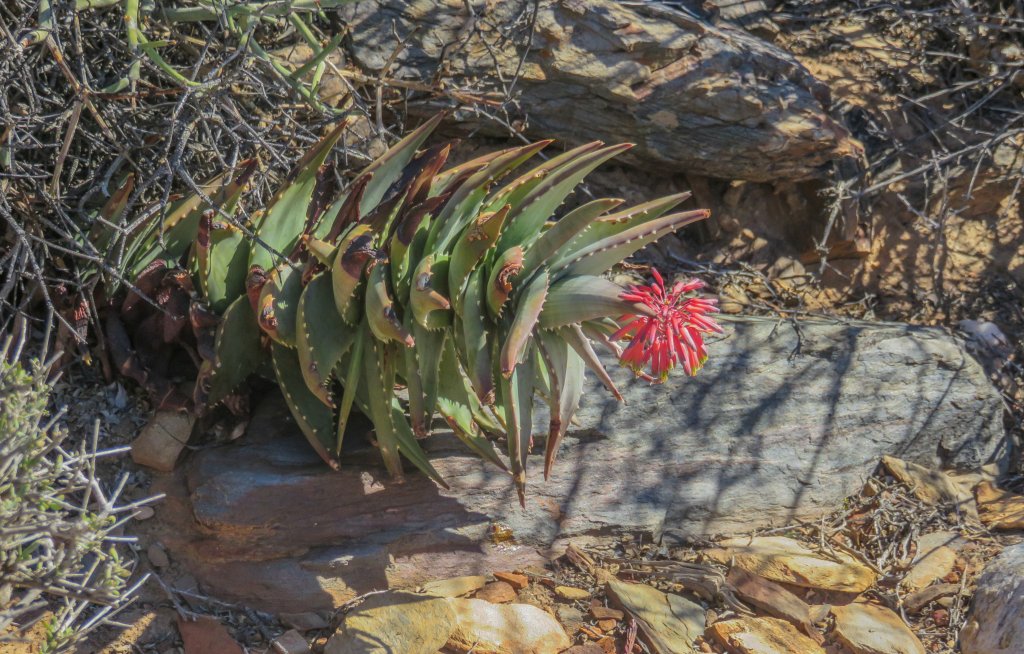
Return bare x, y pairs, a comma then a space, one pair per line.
454, 285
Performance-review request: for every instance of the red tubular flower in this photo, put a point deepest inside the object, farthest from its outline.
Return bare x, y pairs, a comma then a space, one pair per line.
673, 334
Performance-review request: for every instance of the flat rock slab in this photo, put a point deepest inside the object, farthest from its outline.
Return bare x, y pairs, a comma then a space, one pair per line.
783, 422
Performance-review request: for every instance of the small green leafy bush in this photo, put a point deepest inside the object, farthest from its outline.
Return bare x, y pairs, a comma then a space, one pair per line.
57, 558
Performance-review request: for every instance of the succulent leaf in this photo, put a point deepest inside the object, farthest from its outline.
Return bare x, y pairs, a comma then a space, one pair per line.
284, 222
598, 257
353, 377
564, 230
384, 321
476, 338
321, 338
314, 418
388, 168
566, 370
577, 340
428, 293
507, 267
584, 297
531, 303
354, 251
517, 394
540, 203
237, 351
478, 237
279, 304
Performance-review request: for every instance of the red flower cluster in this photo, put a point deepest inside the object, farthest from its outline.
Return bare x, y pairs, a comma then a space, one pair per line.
672, 334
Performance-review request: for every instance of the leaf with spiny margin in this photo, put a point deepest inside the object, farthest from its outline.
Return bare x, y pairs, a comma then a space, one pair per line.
475, 341
322, 251
517, 394
388, 167
225, 265
105, 225
315, 420
530, 303
584, 297
456, 404
322, 338
602, 255
354, 250
410, 447
526, 220
566, 371
351, 381
563, 231
577, 340
616, 223
238, 351
279, 304
180, 226
379, 374
478, 237
384, 321
514, 192
506, 267
407, 245
285, 219
326, 221
421, 374
428, 293
464, 204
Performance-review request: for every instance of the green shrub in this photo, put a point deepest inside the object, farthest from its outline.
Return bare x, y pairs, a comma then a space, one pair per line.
57, 558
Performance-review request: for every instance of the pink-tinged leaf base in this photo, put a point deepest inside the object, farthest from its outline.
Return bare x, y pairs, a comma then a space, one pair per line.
673, 335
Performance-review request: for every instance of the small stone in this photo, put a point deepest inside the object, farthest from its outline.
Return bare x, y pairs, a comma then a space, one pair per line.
454, 587
669, 623
162, 440
599, 612
570, 617
517, 581
290, 642
207, 635
995, 623
589, 648
394, 622
303, 622
871, 629
143, 513
774, 600
935, 558
940, 617
779, 558
571, 594
485, 628
497, 592
606, 625
157, 556
999, 509
914, 602
762, 636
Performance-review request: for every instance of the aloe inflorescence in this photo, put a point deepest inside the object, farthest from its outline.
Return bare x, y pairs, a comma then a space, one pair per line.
420, 290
